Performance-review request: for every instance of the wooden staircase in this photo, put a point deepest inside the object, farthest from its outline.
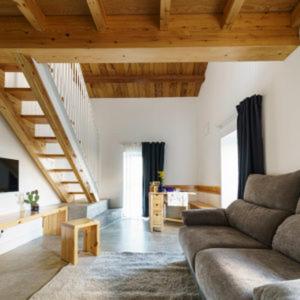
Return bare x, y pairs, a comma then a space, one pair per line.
59, 167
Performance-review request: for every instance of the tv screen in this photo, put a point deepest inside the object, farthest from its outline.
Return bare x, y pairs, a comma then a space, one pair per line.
9, 175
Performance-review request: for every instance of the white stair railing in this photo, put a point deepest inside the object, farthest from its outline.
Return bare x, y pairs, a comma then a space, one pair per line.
65, 82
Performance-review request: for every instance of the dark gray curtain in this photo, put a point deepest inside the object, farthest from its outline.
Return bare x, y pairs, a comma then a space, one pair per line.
153, 161
250, 140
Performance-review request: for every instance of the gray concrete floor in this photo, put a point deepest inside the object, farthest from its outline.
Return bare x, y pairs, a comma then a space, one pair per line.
26, 269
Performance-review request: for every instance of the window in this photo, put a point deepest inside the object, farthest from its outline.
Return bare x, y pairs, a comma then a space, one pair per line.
132, 181
229, 168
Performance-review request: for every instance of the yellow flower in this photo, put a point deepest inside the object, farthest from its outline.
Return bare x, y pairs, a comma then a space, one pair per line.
161, 175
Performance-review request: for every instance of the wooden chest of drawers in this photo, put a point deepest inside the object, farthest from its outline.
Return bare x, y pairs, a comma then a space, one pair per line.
156, 211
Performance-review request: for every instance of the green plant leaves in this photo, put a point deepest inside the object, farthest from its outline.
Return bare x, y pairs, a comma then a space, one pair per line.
33, 197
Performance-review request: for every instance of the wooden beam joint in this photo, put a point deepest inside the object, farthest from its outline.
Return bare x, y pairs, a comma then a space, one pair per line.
231, 11
165, 7
98, 13
296, 16
32, 13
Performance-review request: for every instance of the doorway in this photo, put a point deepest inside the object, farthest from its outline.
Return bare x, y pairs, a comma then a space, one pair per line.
132, 181
229, 168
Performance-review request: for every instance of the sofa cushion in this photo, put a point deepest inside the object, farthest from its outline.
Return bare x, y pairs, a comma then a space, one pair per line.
259, 222
298, 208
288, 290
206, 216
195, 238
274, 191
287, 237
226, 274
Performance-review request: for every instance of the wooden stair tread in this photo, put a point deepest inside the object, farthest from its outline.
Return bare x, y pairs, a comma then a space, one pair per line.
70, 182
76, 193
36, 119
24, 94
46, 139
45, 155
59, 170
10, 67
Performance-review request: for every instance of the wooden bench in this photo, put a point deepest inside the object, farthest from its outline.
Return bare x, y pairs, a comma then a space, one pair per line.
53, 216
69, 238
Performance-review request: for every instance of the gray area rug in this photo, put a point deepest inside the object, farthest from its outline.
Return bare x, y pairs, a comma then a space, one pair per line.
123, 276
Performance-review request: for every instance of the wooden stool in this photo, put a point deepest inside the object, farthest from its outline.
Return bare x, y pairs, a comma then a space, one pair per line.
69, 238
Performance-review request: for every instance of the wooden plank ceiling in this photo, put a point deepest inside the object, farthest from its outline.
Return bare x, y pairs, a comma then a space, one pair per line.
144, 80
148, 31
146, 7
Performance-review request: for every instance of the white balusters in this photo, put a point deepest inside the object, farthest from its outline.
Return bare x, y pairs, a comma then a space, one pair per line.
71, 87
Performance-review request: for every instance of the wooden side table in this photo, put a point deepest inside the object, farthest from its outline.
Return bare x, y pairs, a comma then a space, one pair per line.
69, 238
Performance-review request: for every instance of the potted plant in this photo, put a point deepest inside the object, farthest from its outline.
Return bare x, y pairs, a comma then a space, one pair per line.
161, 177
32, 199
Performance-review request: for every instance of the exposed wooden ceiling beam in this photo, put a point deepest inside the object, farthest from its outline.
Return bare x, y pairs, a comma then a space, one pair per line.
94, 79
137, 39
32, 13
231, 11
98, 13
296, 16
165, 6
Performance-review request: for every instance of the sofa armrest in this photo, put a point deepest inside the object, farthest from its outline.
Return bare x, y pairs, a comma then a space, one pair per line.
289, 289
205, 216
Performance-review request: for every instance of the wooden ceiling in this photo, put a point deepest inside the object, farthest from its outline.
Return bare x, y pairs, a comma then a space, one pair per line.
146, 7
148, 31
144, 80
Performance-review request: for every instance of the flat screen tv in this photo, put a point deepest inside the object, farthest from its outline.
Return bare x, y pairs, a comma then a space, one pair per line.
9, 175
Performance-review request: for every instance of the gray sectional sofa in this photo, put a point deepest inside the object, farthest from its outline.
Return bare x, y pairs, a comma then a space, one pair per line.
251, 250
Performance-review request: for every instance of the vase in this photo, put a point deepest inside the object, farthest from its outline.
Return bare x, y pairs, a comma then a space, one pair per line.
35, 208
160, 188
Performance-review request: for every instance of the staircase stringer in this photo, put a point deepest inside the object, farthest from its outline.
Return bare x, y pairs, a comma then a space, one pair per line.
12, 117
28, 68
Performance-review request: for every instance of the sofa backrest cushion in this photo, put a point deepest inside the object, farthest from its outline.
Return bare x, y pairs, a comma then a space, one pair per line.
259, 222
287, 237
298, 208
274, 191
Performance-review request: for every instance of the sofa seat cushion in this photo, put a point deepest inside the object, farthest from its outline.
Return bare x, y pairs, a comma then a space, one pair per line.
288, 290
274, 191
226, 274
195, 238
259, 222
287, 237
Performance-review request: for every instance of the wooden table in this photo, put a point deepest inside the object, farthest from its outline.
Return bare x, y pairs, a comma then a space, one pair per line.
196, 204
157, 210
53, 216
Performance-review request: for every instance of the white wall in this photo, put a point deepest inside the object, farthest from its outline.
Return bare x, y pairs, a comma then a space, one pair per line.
30, 178
173, 121
225, 86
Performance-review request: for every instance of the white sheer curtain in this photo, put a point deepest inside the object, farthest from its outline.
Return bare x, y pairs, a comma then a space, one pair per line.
132, 180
